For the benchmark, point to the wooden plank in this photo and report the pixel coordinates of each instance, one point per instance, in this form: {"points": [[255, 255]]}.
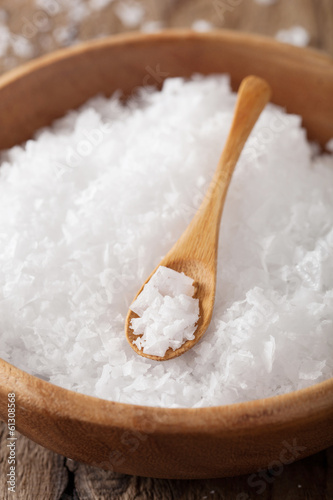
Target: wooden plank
{"points": [[304, 479], [316, 16], [40, 474], [94, 484], [309, 478], [43, 474]]}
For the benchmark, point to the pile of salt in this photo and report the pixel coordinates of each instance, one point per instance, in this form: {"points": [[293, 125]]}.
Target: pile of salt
{"points": [[91, 205], [167, 312]]}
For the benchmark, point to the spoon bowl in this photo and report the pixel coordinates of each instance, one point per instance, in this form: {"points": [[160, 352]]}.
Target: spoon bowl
{"points": [[195, 253], [205, 284]]}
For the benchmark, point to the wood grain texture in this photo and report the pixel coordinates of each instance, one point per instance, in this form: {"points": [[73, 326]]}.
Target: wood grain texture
{"points": [[40, 473], [46, 475]]}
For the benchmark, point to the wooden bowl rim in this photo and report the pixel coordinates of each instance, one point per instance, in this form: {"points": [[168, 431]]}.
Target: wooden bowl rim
{"points": [[286, 50], [41, 395]]}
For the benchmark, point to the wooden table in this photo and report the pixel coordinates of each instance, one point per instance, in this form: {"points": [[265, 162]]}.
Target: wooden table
{"points": [[42, 474]]}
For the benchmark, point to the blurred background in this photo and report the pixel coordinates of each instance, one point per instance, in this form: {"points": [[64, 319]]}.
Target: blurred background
{"points": [[30, 28]]}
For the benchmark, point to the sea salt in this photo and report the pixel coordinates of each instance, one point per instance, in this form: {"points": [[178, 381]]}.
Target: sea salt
{"points": [[266, 2], [167, 312], [99, 4], [151, 26], [329, 145], [83, 227], [19, 44], [295, 35], [202, 25], [130, 12]]}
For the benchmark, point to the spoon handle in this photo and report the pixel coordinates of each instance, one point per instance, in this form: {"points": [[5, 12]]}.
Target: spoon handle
{"points": [[253, 95], [200, 239]]}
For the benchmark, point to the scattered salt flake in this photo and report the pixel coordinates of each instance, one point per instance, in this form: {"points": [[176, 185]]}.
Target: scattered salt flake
{"points": [[64, 35], [105, 375], [76, 355], [99, 4], [201, 25], [296, 35], [51, 7], [329, 145], [151, 26], [311, 370], [268, 353], [21, 46], [130, 12], [266, 2]]}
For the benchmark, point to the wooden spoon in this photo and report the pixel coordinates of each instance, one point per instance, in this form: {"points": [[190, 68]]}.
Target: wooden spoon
{"points": [[195, 253]]}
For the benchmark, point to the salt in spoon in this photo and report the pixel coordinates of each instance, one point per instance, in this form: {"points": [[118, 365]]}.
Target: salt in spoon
{"points": [[195, 252]]}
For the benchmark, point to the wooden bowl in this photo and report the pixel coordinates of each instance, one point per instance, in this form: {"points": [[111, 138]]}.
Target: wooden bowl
{"points": [[147, 441]]}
